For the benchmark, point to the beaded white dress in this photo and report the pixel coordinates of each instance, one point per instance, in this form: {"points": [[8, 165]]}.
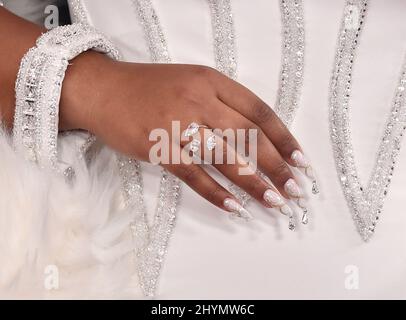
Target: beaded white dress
{"points": [[210, 256]]}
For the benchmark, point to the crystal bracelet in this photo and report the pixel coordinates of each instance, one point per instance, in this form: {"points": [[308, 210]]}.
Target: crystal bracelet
{"points": [[39, 84]]}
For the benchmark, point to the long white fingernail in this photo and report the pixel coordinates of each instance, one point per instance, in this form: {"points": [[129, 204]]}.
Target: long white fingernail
{"points": [[293, 189], [302, 203], [273, 198], [286, 210], [299, 159], [237, 209], [303, 163]]}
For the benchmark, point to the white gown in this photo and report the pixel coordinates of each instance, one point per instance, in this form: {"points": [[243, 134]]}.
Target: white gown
{"points": [[212, 257]]}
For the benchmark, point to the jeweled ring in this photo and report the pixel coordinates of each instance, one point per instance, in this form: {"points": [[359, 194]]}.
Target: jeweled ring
{"points": [[193, 128]]}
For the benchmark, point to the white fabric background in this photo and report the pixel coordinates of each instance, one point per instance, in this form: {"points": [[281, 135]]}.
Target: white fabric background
{"points": [[212, 257]]}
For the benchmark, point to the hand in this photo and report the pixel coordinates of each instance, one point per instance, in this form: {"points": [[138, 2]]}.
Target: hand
{"points": [[122, 103]]}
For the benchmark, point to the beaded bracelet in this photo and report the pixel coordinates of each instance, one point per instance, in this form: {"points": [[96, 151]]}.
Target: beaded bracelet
{"points": [[39, 84]]}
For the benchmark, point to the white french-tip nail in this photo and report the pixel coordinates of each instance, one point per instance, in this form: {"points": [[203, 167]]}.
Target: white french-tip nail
{"points": [[237, 209], [273, 198], [302, 162], [293, 189], [299, 159], [286, 210]]}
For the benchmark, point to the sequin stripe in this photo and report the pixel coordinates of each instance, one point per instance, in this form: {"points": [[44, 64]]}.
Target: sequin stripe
{"points": [[153, 31], [150, 243], [224, 37], [390, 147], [339, 113], [132, 186], [161, 231], [78, 11], [152, 249], [365, 204], [293, 49]]}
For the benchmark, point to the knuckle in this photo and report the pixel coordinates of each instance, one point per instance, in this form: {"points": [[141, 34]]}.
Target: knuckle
{"points": [[190, 174], [204, 72], [280, 171], [287, 141], [262, 112], [253, 131], [257, 187], [213, 195]]}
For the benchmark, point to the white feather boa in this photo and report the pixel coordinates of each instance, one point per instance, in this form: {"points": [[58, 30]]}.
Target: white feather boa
{"points": [[81, 229]]}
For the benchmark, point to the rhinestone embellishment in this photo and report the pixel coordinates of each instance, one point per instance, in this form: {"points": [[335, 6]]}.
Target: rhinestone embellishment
{"points": [[293, 49]]}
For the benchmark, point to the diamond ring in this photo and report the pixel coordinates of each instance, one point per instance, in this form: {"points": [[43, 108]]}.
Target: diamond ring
{"points": [[194, 146]]}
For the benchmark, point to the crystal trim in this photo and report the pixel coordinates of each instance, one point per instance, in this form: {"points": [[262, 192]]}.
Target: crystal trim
{"points": [[365, 203], [151, 241], [293, 50], [38, 88]]}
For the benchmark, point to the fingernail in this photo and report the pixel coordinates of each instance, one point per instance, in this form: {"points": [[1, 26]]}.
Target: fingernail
{"points": [[277, 202], [299, 159], [237, 209], [273, 198], [302, 162], [286, 210], [292, 189], [302, 203]]}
